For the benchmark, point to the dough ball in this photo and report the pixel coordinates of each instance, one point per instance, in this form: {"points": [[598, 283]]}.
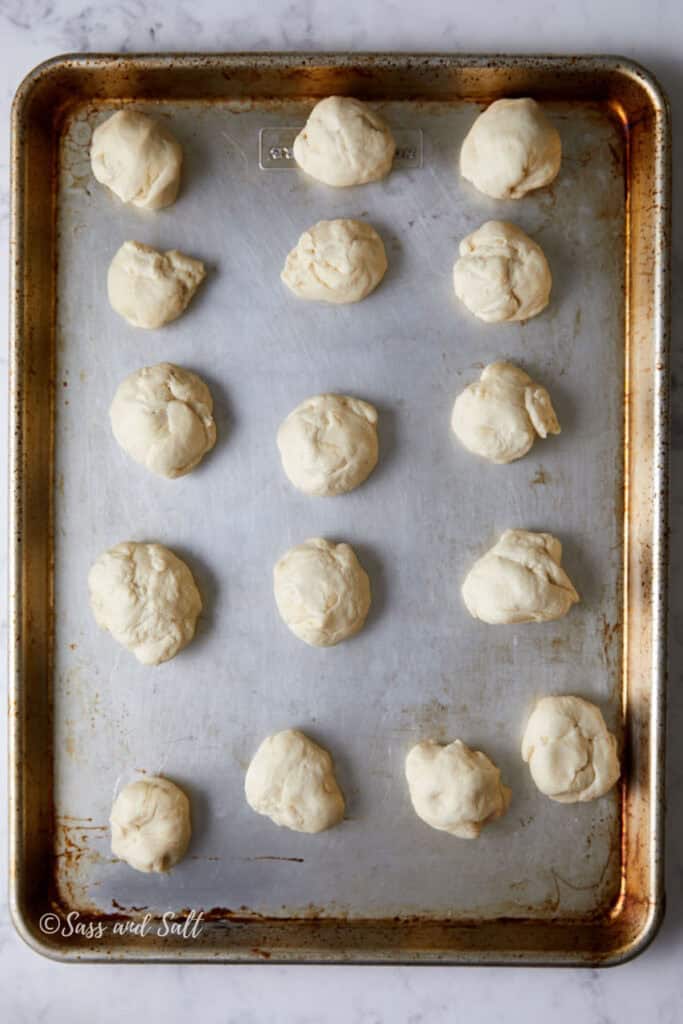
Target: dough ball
{"points": [[150, 824], [291, 780], [519, 580], [328, 444], [502, 414], [149, 288], [502, 275], [337, 261], [511, 149], [344, 142], [322, 592], [571, 754], [455, 789], [146, 598], [162, 417], [138, 159]]}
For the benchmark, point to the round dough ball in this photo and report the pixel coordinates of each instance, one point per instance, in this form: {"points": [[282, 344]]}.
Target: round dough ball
{"points": [[500, 416], [149, 288], [328, 444], [138, 159], [519, 580], [571, 753], [344, 142], [502, 274], [322, 592], [511, 149], [291, 780], [338, 261], [150, 824], [145, 596], [455, 789], [162, 417]]}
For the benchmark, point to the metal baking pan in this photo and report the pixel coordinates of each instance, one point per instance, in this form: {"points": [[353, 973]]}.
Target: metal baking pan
{"points": [[548, 884]]}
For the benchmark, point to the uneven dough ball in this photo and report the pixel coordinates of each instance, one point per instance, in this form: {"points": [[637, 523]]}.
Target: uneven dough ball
{"points": [[511, 149], [328, 444], [571, 753], [519, 580], [500, 416], [150, 824], [138, 159], [337, 261], [344, 142], [322, 592], [502, 274], [455, 789], [291, 780], [145, 596], [162, 417], [149, 288]]}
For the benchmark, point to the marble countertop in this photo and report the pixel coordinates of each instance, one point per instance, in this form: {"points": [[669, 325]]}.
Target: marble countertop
{"points": [[651, 987]]}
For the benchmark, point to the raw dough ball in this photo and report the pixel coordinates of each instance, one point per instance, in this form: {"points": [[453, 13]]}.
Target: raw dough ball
{"points": [[149, 288], [322, 592], [455, 789], [502, 275], [328, 444], [344, 142], [150, 824], [500, 416], [291, 780], [336, 261], [161, 417], [146, 598], [569, 750], [519, 580], [511, 149], [138, 159]]}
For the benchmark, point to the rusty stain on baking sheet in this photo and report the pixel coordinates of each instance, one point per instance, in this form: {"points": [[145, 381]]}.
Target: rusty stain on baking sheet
{"points": [[611, 640], [291, 860], [75, 857], [429, 719], [51, 95], [541, 476], [128, 910]]}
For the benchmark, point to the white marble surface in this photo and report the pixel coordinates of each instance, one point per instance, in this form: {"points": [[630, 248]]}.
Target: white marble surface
{"points": [[651, 988]]}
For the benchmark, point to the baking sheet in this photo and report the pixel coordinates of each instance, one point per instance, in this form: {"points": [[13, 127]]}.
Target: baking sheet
{"points": [[422, 667]]}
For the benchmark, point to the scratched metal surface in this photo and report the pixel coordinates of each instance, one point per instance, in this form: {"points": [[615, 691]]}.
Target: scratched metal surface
{"points": [[422, 667]]}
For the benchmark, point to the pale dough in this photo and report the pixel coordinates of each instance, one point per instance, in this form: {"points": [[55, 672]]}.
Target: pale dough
{"points": [[502, 274], [511, 149], [328, 444], [150, 824], [344, 142], [338, 261], [570, 752], [291, 780], [138, 158], [149, 288], [145, 596], [322, 592], [500, 416], [519, 580], [162, 417], [455, 789]]}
